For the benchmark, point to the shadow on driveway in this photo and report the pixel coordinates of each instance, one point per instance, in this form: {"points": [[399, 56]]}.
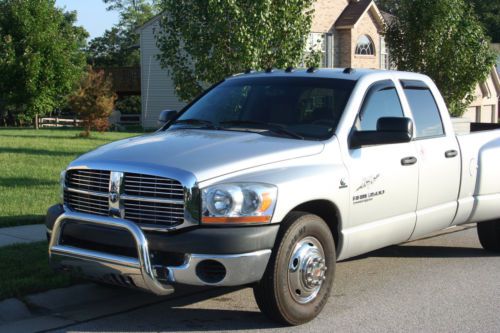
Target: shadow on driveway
{"points": [[177, 314]]}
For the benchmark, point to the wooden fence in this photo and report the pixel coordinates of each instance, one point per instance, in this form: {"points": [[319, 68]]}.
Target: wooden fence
{"points": [[59, 122], [125, 119]]}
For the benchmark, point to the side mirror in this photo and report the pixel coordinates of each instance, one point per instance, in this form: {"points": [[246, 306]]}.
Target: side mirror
{"points": [[166, 116], [390, 130]]}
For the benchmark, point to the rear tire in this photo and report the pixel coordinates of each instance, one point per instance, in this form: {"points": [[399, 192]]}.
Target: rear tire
{"points": [[489, 235], [299, 276]]}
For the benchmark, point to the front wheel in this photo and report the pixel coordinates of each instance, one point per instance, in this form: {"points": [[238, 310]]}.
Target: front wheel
{"points": [[489, 235], [299, 276]]}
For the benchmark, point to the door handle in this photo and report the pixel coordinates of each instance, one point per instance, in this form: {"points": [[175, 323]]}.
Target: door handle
{"points": [[408, 160], [450, 153]]}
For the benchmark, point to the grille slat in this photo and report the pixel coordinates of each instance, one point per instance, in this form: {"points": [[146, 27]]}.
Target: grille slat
{"points": [[143, 206], [144, 219], [88, 202], [88, 177], [155, 188], [157, 192], [167, 210], [152, 213], [82, 203], [85, 183]]}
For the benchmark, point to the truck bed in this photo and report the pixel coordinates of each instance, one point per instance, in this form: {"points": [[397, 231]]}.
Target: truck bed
{"points": [[479, 197]]}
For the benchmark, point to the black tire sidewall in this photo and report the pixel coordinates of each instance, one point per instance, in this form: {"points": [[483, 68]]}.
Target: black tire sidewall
{"points": [[489, 235], [305, 225]]}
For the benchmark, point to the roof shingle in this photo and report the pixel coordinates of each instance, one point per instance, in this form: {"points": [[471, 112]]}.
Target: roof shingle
{"points": [[352, 13]]}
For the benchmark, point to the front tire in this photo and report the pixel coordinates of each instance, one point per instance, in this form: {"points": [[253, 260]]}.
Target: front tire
{"points": [[299, 277], [489, 235]]}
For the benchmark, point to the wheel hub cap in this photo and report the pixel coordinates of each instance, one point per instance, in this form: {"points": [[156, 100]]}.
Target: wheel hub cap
{"points": [[306, 270]]}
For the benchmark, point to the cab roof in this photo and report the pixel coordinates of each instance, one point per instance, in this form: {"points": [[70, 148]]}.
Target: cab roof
{"points": [[353, 74], [330, 73]]}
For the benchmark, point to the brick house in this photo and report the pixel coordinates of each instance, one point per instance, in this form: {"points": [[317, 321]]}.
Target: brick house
{"points": [[347, 33]]}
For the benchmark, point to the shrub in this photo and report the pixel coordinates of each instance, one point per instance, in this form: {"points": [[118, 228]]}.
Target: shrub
{"points": [[94, 101]]}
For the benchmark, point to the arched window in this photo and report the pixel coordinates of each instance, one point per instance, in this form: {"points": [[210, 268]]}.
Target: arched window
{"points": [[365, 46]]}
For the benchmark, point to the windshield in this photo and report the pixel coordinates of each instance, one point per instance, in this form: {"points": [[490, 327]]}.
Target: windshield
{"points": [[300, 108]]}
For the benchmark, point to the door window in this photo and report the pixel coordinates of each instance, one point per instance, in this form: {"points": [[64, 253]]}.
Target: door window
{"points": [[382, 100], [424, 109]]}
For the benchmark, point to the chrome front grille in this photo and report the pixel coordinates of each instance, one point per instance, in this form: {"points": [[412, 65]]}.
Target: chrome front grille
{"points": [[153, 212], [144, 199], [152, 186], [86, 203], [90, 180]]}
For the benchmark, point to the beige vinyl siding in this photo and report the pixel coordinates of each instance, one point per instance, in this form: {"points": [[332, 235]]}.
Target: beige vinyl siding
{"points": [[157, 89]]}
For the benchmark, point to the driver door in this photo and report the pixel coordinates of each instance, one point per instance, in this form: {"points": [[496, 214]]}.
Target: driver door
{"points": [[383, 178]]}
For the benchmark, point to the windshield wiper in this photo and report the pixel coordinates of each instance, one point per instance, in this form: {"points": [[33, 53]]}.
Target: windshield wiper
{"points": [[194, 121], [274, 128]]}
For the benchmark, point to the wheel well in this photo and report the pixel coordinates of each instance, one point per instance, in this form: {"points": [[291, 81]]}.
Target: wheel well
{"points": [[329, 213]]}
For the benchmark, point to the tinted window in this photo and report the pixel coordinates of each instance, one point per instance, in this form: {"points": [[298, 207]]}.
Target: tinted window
{"points": [[424, 109], [381, 101], [310, 107]]}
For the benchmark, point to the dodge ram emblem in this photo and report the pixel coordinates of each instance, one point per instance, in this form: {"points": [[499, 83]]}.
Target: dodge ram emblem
{"points": [[113, 197], [115, 190]]}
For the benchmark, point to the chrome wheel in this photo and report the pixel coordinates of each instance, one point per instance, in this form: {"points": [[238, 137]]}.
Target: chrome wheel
{"points": [[306, 270]]}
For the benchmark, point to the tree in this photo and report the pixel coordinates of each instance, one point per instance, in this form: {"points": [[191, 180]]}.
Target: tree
{"points": [[115, 48], [443, 39], [201, 42], [489, 14], [94, 101], [119, 46], [389, 6], [41, 59]]}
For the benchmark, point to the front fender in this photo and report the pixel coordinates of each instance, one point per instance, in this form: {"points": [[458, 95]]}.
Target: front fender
{"points": [[299, 180]]}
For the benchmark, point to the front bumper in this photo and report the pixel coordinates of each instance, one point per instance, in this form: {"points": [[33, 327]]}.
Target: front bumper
{"points": [[140, 271]]}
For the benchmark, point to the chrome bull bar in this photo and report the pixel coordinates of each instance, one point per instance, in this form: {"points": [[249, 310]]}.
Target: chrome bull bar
{"points": [[138, 271], [240, 269]]}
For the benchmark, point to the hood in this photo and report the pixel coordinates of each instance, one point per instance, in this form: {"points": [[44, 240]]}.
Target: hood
{"points": [[204, 153]]}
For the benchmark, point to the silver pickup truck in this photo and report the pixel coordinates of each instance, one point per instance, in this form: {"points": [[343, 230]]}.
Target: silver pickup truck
{"points": [[268, 179]]}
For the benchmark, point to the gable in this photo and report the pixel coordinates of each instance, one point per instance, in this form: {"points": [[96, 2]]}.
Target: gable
{"points": [[355, 11]]}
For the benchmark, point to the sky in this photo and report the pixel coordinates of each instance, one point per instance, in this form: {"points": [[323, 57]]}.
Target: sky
{"points": [[92, 15]]}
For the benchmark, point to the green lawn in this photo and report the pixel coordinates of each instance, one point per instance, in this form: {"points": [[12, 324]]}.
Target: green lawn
{"points": [[24, 269], [30, 164]]}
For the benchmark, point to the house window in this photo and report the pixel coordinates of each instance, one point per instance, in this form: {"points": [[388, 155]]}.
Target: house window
{"points": [[384, 54], [316, 42], [365, 46]]}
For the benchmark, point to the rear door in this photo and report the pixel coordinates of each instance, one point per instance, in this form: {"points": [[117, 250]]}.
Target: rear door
{"points": [[439, 161]]}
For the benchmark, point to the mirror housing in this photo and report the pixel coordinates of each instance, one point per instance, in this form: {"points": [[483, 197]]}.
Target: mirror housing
{"points": [[166, 116], [390, 130]]}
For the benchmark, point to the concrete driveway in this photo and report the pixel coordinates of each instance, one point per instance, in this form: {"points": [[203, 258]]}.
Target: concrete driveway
{"points": [[444, 283]]}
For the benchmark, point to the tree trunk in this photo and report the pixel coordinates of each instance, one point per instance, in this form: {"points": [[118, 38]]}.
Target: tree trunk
{"points": [[36, 121]]}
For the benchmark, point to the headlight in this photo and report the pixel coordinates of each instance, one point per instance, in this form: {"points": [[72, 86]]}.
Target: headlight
{"points": [[238, 203], [62, 180]]}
